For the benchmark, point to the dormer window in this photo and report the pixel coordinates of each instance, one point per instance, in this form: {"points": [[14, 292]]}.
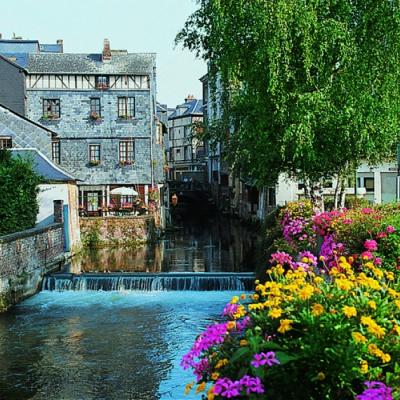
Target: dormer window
{"points": [[102, 82]]}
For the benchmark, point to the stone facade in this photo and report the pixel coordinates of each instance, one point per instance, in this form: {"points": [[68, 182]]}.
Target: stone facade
{"points": [[99, 232], [77, 131], [24, 258]]}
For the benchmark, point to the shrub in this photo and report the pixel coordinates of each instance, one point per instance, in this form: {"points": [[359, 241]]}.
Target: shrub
{"points": [[19, 188]]}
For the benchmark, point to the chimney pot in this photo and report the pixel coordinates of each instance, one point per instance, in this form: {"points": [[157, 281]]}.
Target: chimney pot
{"points": [[106, 50], [61, 43]]}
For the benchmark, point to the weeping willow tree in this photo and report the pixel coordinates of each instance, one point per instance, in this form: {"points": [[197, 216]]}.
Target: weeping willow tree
{"points": [[309, 88]]}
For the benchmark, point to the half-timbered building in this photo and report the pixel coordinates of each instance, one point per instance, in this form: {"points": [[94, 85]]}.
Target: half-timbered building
{"points": [[103, 107]]}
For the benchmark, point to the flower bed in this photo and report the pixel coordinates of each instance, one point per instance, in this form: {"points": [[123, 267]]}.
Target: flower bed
{"points": [[325, 323]]}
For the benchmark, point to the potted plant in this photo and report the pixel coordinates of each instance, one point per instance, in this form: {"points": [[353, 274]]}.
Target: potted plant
{"points": [[94, 116], [122, 163]]}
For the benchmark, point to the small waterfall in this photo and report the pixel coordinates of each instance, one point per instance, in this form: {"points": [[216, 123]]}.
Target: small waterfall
{"points": [[149, 282]]}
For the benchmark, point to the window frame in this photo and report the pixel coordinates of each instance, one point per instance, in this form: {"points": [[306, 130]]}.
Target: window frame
{"points": [[95, 107], [94, 153], [4, 140], [126, 107], [51, 108], [369, 179], [56, 151], [102, 82], [126, 151]]}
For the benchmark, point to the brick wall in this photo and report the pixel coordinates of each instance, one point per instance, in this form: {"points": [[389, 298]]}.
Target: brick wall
{"points": [[24, 258]]}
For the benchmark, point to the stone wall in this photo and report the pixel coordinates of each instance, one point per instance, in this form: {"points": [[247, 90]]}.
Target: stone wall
{"points": [[24, 258], [77, 131], [113, 231]]}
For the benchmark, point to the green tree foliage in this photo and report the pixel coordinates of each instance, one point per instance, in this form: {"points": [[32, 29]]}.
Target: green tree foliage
{"points": [[18, 188], [309, 88]]}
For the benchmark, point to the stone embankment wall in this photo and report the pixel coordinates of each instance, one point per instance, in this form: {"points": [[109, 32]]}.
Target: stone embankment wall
{"points": [[24, 258], [115, 231]]}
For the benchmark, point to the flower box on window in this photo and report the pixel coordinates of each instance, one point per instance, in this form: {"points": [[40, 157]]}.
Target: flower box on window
{"points": [[94, 116], [126, 117], [102, 86], [50, 117], [122, 163], [94, 162]]}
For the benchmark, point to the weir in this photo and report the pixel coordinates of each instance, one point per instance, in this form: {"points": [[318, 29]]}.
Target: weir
{"points": [[149, 282]]}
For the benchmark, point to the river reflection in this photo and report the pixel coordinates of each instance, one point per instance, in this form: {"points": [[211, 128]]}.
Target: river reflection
{"points": [[220, 245]]}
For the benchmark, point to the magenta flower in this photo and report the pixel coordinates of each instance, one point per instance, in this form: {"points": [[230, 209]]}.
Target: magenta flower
{"points": [[390, 229], [367, 255], [280, 257], [370, 245], [230, 310], [264, 359], [375, 391], [252, 385], [367, 210]]}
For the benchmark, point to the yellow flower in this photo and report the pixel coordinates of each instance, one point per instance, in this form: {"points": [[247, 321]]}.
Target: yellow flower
{"points": [[234, 300], [372, 304], [275, 313], [188, 387], [221, 363], [349, 311], [317, 309], [363, 366], [344, 284], [214, 376], [243, 297], [321, 376], [385, 357], [256, 297], [376, 330], [231, 325], [243, 342], [285, 325], [397, 302], [306, 292], [200, 387], [210, 393], [358, 337]]}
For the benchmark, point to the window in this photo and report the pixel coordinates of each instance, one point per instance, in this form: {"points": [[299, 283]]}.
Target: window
{"points": [[51, 108], [102, 82], [5, 142], [94, 153], [126, 107], [126, 152], [369, 184], [55, 151], [95, 109], [92, 201]]}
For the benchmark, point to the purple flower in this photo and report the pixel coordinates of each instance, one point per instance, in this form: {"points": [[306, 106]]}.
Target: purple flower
{"points": [[230, 310], [371, 245], [311, 258], [264, 358], [252, 385], [225, 387], [375, 391]]}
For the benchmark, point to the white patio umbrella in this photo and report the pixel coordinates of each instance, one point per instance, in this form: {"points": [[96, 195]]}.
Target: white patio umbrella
{"points": [[124, 191]]}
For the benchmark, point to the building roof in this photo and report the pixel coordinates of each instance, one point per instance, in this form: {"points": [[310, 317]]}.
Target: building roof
{"points": [[19, 60], [51, 48], [68, 63], [188, 108], [19, 46], [43, 166], [7, 110]]}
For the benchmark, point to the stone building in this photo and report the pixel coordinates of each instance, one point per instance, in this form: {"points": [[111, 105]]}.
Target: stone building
{"points": [[185, 150], [103, 108]]}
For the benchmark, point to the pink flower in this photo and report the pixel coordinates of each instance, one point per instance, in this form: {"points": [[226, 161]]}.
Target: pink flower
{"points": [[367, 210], [390, 229], [381, 235], [370, 245]]}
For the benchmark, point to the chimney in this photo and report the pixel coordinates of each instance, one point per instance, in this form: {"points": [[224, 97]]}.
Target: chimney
{"points": [[1, 36], [106, 50], [61, 43], [189, 97]]}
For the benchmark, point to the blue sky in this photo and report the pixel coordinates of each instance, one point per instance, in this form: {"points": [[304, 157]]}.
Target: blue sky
{"points": [[135, 25]]}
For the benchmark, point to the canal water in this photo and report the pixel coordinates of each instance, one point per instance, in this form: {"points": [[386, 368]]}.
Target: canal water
{"points": [[116, 345]]}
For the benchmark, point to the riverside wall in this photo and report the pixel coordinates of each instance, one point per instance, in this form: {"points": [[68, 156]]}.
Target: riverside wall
{"points": [[24, 259]]}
